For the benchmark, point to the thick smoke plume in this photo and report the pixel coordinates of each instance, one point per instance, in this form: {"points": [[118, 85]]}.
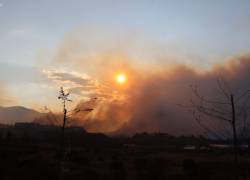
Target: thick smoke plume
{"points": [[150, 100]]}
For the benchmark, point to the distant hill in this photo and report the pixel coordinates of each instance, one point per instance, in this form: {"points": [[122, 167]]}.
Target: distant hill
{"points": [[11, 115]]}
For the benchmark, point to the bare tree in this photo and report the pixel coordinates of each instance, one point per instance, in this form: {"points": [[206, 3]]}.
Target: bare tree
{"points": [[64, 97], [230, 108]]}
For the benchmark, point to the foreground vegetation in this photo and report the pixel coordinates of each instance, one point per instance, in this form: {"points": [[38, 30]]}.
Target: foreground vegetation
{"points": [[96, 156]]}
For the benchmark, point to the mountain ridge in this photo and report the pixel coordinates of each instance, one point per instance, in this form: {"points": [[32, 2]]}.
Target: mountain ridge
{"points": [[14, 114]]}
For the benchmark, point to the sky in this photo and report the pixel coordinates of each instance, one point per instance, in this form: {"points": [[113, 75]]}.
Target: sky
{"points": [[45, 44], [207, 29]]}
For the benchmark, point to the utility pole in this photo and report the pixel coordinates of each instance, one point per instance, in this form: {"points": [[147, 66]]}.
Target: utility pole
{"points": [[235, 139]]}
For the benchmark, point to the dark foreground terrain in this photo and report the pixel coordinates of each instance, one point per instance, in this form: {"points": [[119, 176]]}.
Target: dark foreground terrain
{"points": [[35, 156]]}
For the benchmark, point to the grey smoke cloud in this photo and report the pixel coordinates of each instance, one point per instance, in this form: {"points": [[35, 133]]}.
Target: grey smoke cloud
{"points": [[152, 103], [157, 83]]}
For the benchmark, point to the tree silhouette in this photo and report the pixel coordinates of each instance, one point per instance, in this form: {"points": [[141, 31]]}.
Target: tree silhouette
{"points": [[233, 110], [64, 97]]}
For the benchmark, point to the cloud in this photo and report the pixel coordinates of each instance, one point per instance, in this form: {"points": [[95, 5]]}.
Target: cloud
{"points": [[70, 77], [74, 82], [28, 86], [63, 76]]}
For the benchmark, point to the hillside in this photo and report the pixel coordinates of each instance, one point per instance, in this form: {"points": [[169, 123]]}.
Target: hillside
{"points": [[11, 115]]}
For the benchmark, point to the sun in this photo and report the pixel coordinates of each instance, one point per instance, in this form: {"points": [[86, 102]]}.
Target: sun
{"points": [[121, 78]]}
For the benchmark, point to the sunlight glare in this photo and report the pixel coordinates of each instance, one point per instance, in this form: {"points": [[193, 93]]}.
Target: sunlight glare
{"points": [[121, 78]]}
